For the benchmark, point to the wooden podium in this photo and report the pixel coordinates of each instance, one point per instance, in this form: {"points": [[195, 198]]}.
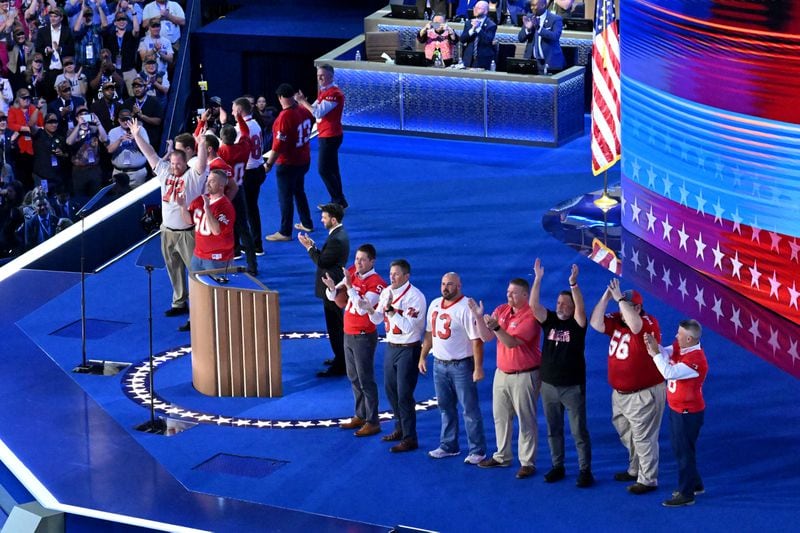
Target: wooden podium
{"points": [[236, 347]]}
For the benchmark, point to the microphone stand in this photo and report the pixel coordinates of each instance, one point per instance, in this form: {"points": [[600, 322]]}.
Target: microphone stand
{"points": [[156, 426], [95, 368]]}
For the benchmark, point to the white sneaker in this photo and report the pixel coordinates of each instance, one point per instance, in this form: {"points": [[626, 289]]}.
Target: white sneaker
{"points": [[473, 459], [439, 453]]}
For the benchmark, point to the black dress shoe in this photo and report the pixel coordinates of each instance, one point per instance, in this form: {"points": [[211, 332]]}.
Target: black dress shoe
{"points": [[639, 488], [177, 311], [555, 474], [624, 476], [185, 327], [331, 373]]}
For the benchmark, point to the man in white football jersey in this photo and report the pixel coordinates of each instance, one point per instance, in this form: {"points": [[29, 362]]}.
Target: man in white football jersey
{"points": [[254, 174], [452, 335]]}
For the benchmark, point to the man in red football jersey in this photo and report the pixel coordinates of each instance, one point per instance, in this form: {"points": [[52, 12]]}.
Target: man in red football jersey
{"points": [[364, 287], [291, 133], [213, 217], [327, 109], [638, 399], [236, 154], [684, 365]]}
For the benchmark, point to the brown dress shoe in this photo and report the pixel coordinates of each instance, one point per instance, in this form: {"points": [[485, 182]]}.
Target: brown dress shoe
{"points": [[525, 471], [393, 436], [355, 422], [406, 445], [368, 430]]}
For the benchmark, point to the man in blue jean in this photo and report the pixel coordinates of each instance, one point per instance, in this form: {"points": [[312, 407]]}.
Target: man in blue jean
{"points": [[452, 335]]}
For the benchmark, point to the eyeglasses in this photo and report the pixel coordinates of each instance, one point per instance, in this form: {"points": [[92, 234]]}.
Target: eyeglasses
{"points": [[51, 122], [122, 20], [37, 61], [139, 85], [24, 97], [3, 119], [155, 24], [66, 89], [109, 88]]}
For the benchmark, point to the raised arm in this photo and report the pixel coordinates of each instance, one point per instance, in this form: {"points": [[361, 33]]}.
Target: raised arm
{"points": [[598, 313], [147, 151], [577, 297], [539, 311]]}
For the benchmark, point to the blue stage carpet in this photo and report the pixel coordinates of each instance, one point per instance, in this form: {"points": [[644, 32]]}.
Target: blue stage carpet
{"points": [[444, 205]]}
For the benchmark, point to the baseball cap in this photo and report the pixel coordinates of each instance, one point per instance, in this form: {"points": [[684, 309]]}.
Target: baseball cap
{"points": [[633, 297], [216, 100]]}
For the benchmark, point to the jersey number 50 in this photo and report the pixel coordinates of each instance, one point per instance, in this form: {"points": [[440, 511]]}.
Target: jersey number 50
{"points": [[618, 347]]}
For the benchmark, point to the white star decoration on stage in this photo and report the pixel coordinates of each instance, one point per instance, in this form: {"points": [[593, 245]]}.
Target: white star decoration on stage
{"points": [[136, 385], [748, 275]]}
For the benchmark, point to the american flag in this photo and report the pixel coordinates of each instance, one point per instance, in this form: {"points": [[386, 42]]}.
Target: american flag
{"points": [[605, 92]]}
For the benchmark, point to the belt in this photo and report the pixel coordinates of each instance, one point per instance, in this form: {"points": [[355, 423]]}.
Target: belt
{"points": [[521, 371], [362, 332], [626, 392], [448, 362], [190, 228], [407, 345]]}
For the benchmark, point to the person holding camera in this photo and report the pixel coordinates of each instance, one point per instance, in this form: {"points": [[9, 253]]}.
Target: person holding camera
{"points": [[84, 141], [439, 40], [50, 156]]}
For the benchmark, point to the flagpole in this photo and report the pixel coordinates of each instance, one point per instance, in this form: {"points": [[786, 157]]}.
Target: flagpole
{"points": [[605, 202]]}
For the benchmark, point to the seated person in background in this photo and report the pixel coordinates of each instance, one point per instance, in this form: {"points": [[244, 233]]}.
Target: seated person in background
{"points": [[567, 8], [65, 207], [478, 35], [437, 35], [542, 32], [125, 154]]}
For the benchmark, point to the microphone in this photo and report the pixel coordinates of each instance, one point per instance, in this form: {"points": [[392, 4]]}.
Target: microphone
{"points": [[223, 279]]}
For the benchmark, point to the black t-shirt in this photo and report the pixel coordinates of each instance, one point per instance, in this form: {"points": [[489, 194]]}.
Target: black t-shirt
{"points": [[563, 345]]}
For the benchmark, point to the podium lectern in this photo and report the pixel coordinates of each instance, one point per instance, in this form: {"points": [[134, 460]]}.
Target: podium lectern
{"points": [[235, 335]]}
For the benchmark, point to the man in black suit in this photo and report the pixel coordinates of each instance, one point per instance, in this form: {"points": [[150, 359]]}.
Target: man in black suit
{"points": [[330, 260], [55, 40], [478, 35]]}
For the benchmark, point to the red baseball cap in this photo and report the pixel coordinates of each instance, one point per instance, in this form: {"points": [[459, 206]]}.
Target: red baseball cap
{"points": [[633, 297]]}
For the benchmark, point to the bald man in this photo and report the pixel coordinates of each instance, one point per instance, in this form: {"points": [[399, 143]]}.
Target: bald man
{"points": [[453, 337]]}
